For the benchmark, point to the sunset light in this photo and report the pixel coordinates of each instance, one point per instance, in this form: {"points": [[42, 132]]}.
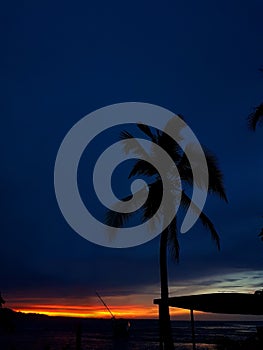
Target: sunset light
{"points": [[131, 175], [132, 311]]}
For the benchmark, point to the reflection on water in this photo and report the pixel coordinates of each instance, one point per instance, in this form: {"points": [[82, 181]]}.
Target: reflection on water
{"points": [[60, 334]]}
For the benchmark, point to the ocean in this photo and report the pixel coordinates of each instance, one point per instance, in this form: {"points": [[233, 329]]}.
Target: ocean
{"points": [[58, 333]]}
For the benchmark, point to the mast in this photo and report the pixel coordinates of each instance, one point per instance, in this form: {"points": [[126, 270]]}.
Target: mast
{"points": [[105, 305]]}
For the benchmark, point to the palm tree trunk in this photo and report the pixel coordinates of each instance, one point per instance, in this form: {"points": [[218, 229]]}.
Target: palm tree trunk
{"points": [[166, 339]]}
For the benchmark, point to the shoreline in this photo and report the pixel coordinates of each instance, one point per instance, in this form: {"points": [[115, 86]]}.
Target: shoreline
{"points": [[42, 332]]}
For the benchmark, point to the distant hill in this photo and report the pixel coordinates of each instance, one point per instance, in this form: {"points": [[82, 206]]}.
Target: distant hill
{"points": [[10, 319]]}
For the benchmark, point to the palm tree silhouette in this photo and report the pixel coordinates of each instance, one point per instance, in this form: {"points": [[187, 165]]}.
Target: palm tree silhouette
{"points": [[168, 236], [256, 117]]}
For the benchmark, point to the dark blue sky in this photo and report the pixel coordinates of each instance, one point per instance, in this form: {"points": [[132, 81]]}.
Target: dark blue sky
{"points": [[62, 60]]}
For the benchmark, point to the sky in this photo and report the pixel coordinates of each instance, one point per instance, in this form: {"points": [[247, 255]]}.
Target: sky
{"points": [[63, 60]]}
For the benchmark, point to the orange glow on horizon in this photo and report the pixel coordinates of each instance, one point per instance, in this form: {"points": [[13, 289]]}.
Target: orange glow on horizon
{"points": [[130, 311]]}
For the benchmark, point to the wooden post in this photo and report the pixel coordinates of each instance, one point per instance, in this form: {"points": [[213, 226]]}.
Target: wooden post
{"points": [[193, 328], [160, 328], [78, 336]]}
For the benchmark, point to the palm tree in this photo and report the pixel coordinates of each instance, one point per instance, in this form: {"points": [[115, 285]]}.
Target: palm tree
{"points": [[168, 236]]}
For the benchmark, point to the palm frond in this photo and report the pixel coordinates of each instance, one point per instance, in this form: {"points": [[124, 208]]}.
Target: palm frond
{"points": [[116, 219], [132, 145], [147, 131], [256, 117], [185, 170], [206, 222], [216, 184], [124, 135], [169, 146], [142, 167], [154, 199], [176, 125]]}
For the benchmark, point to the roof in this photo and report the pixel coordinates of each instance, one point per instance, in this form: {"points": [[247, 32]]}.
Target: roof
{"points": [[224, 303]]}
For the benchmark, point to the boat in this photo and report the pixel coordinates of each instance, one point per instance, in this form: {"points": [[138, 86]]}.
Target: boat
{"points": [[120, 326]]}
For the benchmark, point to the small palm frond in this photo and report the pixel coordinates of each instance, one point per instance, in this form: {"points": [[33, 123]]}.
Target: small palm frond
{"points": [[216, 184], [206, 222], [163, 140], [147, 131], [185, 170], [261, 234], [215, 175], [132, 145], [154, 199], [116, 219], [256, 117], [169, 146], [124, 135], [176, 126], [142, 167], [116, 216]]}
